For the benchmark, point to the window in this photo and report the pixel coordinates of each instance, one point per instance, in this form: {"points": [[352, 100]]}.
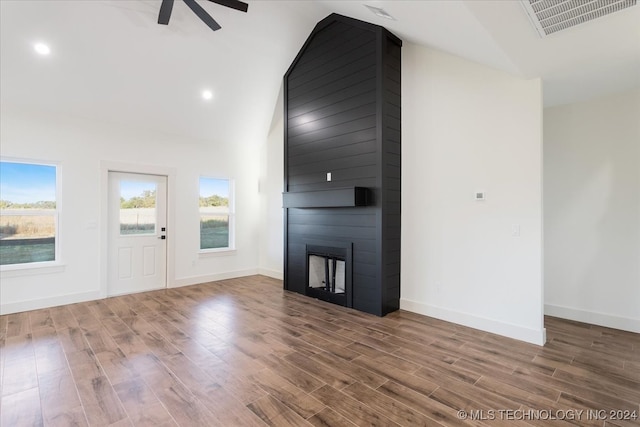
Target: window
{"points": [[28, 213], [216, 214], [137, 207]]}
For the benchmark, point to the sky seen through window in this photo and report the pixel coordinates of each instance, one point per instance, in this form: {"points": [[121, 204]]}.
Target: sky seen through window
{"points": [[27, 183]]}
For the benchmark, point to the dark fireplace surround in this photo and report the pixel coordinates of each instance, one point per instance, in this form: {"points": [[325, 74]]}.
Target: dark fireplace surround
{"points": [[343, 168]]}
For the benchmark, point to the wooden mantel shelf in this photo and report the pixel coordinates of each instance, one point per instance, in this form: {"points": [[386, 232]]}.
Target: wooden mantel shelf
{"points": [[334, 198]]}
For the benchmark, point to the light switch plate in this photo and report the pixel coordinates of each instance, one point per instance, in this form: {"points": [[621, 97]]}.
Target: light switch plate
{"points": [[515, 230], [328, 176]]}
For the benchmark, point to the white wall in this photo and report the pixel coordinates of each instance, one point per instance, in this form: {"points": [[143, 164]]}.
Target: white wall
{"points": [[592, 211], [81, 147], [271, 187], [468, 128]]}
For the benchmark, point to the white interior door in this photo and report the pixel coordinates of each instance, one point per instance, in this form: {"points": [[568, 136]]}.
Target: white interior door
{"points": [[137, 233]]}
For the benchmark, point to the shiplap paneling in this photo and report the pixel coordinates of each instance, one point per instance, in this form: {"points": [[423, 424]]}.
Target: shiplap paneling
{"points": [[342, 115]]}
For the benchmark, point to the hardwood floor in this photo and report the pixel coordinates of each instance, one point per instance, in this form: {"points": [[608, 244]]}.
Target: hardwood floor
{"points": [[244, 353]]}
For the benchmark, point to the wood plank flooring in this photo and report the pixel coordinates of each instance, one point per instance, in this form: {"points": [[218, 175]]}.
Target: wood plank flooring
{"points": [[243, 352]]}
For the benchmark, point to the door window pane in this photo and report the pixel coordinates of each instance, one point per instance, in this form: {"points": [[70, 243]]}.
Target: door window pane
{"points": [[137, 207], [216, 214], [28, 213]]}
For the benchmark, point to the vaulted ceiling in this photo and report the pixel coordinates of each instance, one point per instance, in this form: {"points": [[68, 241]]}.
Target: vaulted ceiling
{"points": [[111, 61]]}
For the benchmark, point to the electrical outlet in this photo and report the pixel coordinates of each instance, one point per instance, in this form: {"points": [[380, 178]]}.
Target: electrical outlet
{"points": [[328, 176]]}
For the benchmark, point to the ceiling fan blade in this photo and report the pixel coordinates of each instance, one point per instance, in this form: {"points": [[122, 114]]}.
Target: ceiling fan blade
{"points": [[233, 4], [203, 15], [165, 12]]}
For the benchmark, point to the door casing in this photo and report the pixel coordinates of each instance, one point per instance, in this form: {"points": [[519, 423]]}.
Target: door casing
{"points": [[114, 166]]}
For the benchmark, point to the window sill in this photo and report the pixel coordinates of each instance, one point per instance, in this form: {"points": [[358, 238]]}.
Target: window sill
{"points": [[7, 271], [206, 253]]}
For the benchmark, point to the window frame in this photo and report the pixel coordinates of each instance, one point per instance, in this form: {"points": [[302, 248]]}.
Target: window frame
{"points": [[56, 214], [231, 214]]}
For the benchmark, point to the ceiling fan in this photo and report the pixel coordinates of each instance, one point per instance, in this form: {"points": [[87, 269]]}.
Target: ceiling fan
{"points": [[167, 6]]}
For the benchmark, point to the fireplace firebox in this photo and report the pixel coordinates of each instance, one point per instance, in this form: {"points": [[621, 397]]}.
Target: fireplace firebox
{"points": [[328, 274]]}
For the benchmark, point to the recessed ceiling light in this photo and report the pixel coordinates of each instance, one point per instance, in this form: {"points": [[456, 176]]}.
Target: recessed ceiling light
{"points": [[42, 48], [207, 95], [380, 12]]}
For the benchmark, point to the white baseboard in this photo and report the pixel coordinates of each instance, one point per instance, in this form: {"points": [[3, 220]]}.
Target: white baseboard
{"points": [[594, 318], [271, 273], [521, 333], [36, 304], [195, 280]]}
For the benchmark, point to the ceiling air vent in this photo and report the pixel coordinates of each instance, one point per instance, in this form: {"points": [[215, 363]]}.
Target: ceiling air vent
{"points": [[551, 16]]}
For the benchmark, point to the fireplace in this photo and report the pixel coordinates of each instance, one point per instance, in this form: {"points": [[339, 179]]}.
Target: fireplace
{"points": [[342, 166], [329, 273]]}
